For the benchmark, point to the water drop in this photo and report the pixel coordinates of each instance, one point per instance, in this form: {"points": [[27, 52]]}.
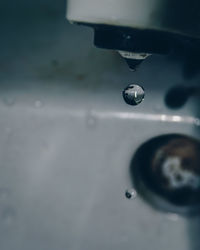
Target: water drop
{"points": [[130, 194], [133, 94]]}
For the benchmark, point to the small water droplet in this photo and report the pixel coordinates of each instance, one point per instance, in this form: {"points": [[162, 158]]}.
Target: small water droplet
{"points": [[9, 101], [133, 94], [38, 104], [133, 64], [130, 193]]}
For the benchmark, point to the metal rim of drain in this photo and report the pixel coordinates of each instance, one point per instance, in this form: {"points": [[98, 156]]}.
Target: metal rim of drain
{"points": [[164, 192]]}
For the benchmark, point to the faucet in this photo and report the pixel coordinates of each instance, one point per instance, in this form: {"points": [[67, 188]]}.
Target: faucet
{"points": [[139, 28]]}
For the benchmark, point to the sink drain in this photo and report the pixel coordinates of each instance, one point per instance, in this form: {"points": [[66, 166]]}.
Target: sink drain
{"points": [[166, 172]]}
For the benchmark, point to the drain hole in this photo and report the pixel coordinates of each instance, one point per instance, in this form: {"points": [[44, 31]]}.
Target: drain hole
{"points": [[166, 170]]}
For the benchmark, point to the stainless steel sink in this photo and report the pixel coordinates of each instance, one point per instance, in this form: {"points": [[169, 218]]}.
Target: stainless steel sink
{"points": [[67, 138]]}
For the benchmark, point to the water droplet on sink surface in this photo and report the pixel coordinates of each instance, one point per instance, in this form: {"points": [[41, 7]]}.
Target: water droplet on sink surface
{"points": [[133, 94], [130, 193]]}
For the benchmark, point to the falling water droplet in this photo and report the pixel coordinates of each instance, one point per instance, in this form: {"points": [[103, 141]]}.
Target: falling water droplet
{"points": [[133, 94], [133, 64], [130, 194]]}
